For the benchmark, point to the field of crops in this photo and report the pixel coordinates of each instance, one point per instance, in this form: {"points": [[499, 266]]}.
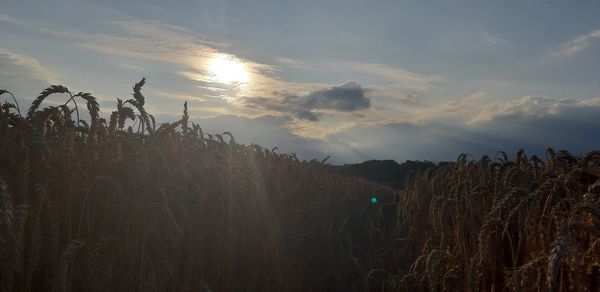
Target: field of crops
{"points": [[123, 204], [501, 225]]}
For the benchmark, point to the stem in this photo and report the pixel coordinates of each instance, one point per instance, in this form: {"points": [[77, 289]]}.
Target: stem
{"points": [[76, 107], [16, 102]]}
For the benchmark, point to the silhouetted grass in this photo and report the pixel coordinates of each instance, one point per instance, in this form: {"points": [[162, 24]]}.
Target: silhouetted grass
{"points": [[126, 205]]}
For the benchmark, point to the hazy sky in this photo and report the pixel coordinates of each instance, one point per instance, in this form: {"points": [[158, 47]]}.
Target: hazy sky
{"points": [[355, 80]]}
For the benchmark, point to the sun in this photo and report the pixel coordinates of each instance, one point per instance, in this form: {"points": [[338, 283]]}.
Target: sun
{"points": [[228, 69]]}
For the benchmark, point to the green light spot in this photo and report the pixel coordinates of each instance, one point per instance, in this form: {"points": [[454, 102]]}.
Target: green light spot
{"points": [[373, 200]]}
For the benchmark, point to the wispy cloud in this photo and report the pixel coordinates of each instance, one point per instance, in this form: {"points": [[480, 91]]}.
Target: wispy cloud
{"points": [[289, 61], [533, 107], [29, 65], [159, 42], [397, 76], [461, 109], [577, 44], [266, 92], [151, 40], [494, 39], [22, 74], [177, 96], [130, 67], [136, 38]]}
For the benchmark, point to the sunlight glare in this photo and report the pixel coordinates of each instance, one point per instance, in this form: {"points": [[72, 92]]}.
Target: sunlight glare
{"points": [[227, 69]]}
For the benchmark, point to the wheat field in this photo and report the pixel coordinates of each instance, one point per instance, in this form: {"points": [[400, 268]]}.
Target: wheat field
{"points": [[124, 204], [502, 225], [101, 206]]}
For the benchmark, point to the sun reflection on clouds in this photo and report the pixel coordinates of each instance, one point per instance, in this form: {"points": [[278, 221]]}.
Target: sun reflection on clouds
{"points": [[227, 69], [226, 82], [226, 75]]}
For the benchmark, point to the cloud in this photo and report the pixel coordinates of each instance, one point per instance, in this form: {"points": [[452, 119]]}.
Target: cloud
{"points": [[266, 92], [494, 39], [394, 75], [148, 40], [461, 108], [536, 122], [573, 126], [12, 21], [534, 107], [399, 114], [577, 44], [279, 107], [186, 53], [136, 38], [130, 67], [177, 96], [21, 74], [532, 122], [289, 61], [348, 97], [160, 42]]}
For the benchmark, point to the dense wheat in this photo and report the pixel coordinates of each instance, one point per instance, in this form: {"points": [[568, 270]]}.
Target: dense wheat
{"points": [[129, 206], [507, 225]]}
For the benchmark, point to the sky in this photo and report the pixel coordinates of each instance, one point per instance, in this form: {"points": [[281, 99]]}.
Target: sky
{"points": [[354, 80]]}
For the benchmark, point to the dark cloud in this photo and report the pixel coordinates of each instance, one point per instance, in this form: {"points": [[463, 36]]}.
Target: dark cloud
{"points": [[307, 115], [279, 106], [537, 123], [348, 97]]}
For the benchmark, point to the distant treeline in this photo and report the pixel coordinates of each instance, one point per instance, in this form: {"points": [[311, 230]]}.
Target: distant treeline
{"points": [[387, 172]]}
